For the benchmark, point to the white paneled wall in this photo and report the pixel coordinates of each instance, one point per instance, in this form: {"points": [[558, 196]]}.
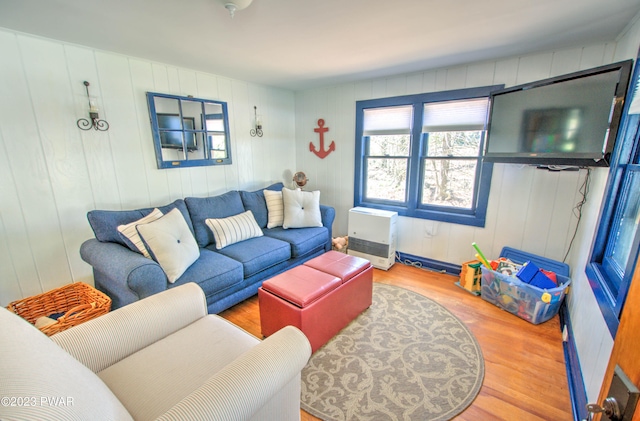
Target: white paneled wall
{"points": [[52, 173], [529, 209]]}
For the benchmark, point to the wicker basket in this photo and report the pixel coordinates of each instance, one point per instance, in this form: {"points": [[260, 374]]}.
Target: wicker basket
{"points": [[78, 301]]}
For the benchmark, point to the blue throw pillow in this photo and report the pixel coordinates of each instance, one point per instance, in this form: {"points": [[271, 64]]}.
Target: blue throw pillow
{"points": [[254, 201], [104, 223]]}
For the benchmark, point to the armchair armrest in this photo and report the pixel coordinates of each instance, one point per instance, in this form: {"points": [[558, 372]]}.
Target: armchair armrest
{"points": [[248, 383], [122, 271], [105, 340]]}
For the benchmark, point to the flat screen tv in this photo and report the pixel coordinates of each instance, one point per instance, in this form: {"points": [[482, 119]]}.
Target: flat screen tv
{"points": [[173, 139], [570, 120]]}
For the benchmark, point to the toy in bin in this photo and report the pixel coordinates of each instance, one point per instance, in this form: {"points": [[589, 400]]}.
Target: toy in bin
{"points": [[470, 276], [533, 275]]}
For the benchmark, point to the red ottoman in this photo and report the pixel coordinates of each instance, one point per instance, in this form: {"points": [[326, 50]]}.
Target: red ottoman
{"points": [[319, 297]]}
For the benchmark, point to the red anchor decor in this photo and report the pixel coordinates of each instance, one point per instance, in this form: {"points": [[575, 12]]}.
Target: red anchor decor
{"points": [[322, 153]]}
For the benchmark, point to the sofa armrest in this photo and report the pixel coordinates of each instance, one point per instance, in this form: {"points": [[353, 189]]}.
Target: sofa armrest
{"points": [[328, 214], [248, 383], [122, 271], [105, 340]]}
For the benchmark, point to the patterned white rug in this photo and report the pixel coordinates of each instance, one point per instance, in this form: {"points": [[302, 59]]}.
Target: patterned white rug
{"points": [[404, 358]]}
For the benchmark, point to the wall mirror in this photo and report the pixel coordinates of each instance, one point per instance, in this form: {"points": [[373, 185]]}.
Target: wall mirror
{"points": [[189, 132]]}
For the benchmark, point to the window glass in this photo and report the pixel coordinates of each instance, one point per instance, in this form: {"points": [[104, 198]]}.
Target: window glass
{"points": [[389, 145], [454, 143], [449, 182], [386, 179], [625, 226]]}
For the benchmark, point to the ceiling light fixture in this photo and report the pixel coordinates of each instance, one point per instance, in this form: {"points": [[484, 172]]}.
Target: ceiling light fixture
{"points": [[233, 5]]}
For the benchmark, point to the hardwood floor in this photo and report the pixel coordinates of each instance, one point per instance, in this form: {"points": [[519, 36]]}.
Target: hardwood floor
{"points": [[525, 376]]}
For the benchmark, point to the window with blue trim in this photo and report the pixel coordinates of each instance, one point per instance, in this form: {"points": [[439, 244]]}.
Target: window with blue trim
{"points": [[617, 242], [421, 155]]}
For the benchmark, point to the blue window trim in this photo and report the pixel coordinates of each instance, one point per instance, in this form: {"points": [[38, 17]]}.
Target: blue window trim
{"points": [[476, 216], [599, 275]]}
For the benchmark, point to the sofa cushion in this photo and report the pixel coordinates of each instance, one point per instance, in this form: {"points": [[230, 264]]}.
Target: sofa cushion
{"points": [[130, 235], [203, 208], [255, 202], [257, 254], [157, 377], [302, 240], [275, 209], [170, 243], [228, 273], [34, 367], [104, 223], [301, 209], [234, 229]]}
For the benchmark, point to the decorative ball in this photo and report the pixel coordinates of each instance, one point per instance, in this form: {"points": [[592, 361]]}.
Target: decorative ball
{"points": [[300, 179]]}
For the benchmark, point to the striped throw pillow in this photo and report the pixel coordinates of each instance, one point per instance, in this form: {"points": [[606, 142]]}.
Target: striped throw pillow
{"points": [[275, 208], [236, 228], [129, 231]]}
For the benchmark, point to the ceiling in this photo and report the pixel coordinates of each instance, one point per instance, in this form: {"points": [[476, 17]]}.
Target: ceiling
{"points": [[301, 44]]}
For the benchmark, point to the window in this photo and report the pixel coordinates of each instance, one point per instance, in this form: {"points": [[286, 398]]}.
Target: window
{"points": [[189, 131], [421, 155], [616, 245]]}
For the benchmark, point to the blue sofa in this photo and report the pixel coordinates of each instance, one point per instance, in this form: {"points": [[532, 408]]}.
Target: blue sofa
{"points": [[227, 276]]}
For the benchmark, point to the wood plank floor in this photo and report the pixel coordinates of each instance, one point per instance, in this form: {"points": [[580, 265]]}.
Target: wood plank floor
{"points": [[525, 376]]}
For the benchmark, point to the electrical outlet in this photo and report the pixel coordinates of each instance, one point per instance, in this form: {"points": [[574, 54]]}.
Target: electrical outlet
{"points": [[430, 229]]}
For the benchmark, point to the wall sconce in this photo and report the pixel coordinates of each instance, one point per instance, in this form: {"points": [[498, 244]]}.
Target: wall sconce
{"points": [[94, 122], [257, 130]]}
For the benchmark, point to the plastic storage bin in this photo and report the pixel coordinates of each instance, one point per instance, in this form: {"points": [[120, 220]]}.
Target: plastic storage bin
{"points": [[526, 301]]}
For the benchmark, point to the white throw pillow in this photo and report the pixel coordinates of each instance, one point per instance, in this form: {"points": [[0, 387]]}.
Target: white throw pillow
{"points": [[233, 229], [301, 209], [275, 208], [130, 232], [170, 243]]}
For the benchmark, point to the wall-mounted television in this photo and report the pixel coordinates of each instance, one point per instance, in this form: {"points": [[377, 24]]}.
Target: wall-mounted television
{"points": [[171, 132], [569, 120]]}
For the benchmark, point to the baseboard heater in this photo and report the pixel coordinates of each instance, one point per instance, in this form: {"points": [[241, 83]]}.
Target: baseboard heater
{"points": [[372, 235]]}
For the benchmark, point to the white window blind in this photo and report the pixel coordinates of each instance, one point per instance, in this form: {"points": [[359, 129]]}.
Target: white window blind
{"points": [[455, 116], [388, 120]]}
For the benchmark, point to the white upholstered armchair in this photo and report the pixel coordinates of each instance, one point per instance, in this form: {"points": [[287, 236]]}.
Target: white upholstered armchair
{"points": [[161, 358]]}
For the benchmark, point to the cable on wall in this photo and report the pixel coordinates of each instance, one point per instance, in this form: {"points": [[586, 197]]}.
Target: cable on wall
{"points": [[577, 210]]}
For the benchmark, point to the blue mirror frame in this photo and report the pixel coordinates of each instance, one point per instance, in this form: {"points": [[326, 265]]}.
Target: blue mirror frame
{"points": [[188, 131]]}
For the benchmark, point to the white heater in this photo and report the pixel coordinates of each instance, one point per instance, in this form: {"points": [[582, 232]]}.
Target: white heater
{"points": [[372, 235]]}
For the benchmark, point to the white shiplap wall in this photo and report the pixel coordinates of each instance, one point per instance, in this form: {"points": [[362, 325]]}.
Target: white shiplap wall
{"points": [[52, 173], [529, 209]]}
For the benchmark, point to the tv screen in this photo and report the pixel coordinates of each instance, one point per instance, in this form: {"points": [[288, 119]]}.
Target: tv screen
{"points": [[173, 139], [568, 120]]}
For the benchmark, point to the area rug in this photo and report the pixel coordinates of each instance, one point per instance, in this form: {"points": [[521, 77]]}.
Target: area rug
{"points": [[404, 358]]}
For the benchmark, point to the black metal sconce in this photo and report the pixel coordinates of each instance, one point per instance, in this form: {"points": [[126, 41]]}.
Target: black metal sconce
{"points": [[257, 130], [94, 122]]}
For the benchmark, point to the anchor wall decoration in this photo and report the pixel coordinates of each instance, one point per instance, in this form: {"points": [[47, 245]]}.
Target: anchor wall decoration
{"points": [[322, 153]]}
